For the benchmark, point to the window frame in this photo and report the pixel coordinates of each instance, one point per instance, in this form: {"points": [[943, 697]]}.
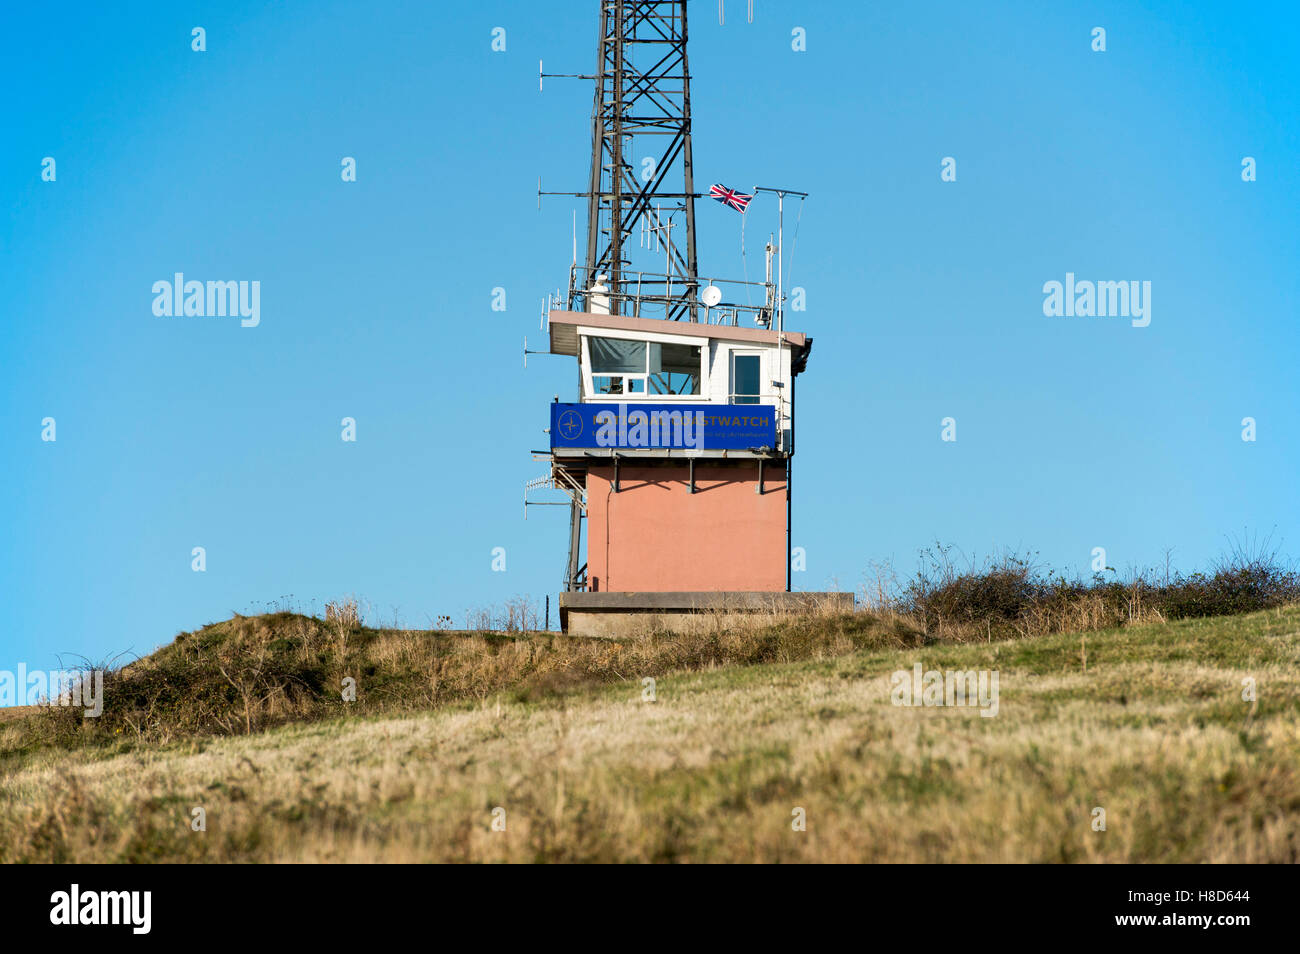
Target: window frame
{"points": [[732, 394], [585, 333]]}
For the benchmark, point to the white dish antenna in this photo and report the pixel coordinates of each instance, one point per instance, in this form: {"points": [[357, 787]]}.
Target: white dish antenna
{"points": [[711, 295]]}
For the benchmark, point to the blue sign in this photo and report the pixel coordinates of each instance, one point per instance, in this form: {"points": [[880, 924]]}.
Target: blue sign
{"points": [[656, 426]]}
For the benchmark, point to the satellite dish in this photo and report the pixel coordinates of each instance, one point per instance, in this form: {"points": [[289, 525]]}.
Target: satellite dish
{"points": [[711, 296]]}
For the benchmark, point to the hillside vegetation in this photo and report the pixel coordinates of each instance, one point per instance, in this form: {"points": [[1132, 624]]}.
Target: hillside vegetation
{"points": [[250, 673], [296, 738], [558, 740]]}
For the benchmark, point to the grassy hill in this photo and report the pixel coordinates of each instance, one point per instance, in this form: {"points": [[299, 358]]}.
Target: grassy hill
{"points": [[244, 720]]}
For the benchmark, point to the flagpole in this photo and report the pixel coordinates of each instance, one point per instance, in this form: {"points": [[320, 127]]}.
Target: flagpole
{"points": [[780, 290], [780, 248]]}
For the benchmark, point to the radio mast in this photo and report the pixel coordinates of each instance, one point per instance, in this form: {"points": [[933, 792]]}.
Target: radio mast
{"points": [[640, 159], [734, 384]]}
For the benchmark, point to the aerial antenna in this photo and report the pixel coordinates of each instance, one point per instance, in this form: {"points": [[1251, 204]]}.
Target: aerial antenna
{"points": [[528, 351], [547, 302], [541, 75], [780, 285], [641, 108], [780, 248], [722, 20], [769, 253]]}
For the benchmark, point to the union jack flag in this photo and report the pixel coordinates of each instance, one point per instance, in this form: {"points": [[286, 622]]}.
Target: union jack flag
{"points": [[737, 200]]}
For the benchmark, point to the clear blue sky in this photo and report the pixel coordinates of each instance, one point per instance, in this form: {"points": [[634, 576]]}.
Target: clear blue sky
{"points": [[924, 297]]}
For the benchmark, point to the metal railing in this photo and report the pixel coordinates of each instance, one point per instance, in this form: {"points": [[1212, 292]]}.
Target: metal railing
{"points": [[653, 295]]}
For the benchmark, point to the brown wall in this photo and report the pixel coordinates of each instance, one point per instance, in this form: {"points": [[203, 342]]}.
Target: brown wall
{"points": [[654, 535]]}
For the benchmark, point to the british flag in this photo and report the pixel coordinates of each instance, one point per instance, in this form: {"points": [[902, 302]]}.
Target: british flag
{"points": [[737, 200]]}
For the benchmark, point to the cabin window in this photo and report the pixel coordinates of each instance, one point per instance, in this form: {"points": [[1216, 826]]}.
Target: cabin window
{"points": [[617, 355], [624, 366], [674, 368], [745, 378]]}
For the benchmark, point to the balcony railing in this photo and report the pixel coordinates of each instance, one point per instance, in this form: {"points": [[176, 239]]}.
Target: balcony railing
{"points": [[650, 295]]}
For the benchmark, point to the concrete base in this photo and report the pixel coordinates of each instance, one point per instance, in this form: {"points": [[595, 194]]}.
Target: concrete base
{"points": [[640, 614]]}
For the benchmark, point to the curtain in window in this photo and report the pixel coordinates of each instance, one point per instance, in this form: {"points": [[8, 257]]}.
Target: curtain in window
{"points": [[617, 356]]}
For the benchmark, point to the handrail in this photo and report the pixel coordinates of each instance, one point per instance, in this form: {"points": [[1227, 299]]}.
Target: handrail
{"points": [[630, 296]]}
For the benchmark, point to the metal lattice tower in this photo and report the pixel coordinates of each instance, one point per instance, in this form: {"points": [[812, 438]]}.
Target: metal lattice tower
{"points": [[642, 109]]}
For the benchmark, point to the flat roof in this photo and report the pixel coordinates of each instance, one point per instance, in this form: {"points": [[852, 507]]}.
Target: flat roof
{"points": [[564, 330]]}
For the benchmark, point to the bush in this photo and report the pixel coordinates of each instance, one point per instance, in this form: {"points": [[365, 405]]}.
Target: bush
{"points": [[250, 673], [1010, 595]]}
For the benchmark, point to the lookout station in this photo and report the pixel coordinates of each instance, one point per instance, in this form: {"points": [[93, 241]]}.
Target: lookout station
{"points": [[677, 452]]}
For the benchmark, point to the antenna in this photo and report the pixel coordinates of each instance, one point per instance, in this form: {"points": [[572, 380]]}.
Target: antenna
{"points": [[528, 351], [780, 286], [642, 110], [722, 19], [769, 253], [541, 75], [780, 243]]}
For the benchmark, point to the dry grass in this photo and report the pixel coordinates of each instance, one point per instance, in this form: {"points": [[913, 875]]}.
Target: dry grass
{"points": [[250, 673], [1155, 732], [1012, 595]]}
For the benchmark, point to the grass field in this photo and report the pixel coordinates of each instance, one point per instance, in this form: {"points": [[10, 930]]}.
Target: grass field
{"points": [[1155, 732]]}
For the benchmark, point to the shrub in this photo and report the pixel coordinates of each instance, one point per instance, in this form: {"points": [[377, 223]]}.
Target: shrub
{"points": [[1010, 595]]}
